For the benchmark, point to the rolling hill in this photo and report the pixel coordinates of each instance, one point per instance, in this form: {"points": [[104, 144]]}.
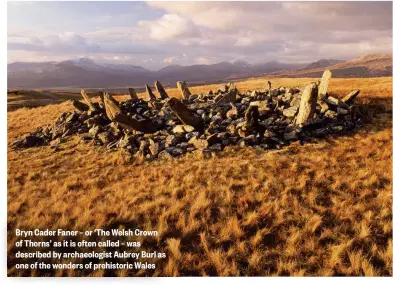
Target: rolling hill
{"points": [[373, 65], [85, 73]]}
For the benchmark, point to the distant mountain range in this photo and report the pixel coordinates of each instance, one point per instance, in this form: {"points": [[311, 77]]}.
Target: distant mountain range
{"points": [[321, 63], [372, 65], [85, 73]]}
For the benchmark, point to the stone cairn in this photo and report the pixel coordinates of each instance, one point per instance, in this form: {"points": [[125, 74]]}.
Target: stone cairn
{"points": [[165, 127]]}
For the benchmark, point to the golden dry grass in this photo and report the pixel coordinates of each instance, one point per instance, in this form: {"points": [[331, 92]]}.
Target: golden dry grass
{"points": [[37, 98], [323, 209]]}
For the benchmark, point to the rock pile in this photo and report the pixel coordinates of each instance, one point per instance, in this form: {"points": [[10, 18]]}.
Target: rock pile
{"points": [[162, 127]]}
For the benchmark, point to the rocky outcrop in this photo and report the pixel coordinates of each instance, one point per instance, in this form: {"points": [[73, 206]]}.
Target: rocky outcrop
{"points": [[168, 127]]}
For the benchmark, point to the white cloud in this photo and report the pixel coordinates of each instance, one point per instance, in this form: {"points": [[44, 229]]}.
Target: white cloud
{"points": [[169, 26], [207, 32], [203, 60], [168, 59]]}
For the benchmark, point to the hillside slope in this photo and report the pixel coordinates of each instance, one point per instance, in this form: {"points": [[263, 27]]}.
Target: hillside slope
{"points": [[374, 65]]}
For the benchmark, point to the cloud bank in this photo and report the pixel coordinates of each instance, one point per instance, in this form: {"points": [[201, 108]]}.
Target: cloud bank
{"points": [[209, 32]]}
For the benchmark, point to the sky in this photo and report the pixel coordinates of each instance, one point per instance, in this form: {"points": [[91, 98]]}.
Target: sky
{"points": [[157, 34]]}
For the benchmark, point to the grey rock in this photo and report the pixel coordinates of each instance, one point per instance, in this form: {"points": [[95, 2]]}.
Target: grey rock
{"points": [[191, 134], [341, 111], [216, 147], [291, 136], [172, 140], [95, 130], [105, 137], [164, 155], [331, 114], [290, 112]]}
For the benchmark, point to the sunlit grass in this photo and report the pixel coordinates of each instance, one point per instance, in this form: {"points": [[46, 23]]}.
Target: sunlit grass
{"points": [[319, 209]]}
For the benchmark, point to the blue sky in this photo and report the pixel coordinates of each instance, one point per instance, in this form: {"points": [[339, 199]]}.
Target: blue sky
{"points": [[156, 34]]}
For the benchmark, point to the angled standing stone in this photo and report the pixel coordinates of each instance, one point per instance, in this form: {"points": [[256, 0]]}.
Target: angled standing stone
{"points": [[184, 114], [88, 101], [232, 113], [114, 114], [82, 107], [323, 86], [150, 93], [111, 108], [183, 89], [351, 97], [160, 89], [109, 97], [229, 97], [251, 117], [307, 104], [132, 94]]}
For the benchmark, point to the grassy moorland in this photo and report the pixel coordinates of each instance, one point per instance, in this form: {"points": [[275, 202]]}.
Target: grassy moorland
{"points": [[322, 209]]}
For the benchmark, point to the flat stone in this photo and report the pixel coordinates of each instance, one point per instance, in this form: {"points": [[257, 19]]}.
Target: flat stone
{"points": [[199, 143], [191, 134], [216, 147], [154, 148], [341, 111], [350, 98], [290, 136], [177, 152], [164, 155], [104, 137], [180, 129], [290, 112], [95, 130], [331, 114]]}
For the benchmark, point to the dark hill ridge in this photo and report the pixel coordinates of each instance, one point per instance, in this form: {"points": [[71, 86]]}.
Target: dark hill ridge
{"points": [[372, 65], [321, 63], [85, 73]]}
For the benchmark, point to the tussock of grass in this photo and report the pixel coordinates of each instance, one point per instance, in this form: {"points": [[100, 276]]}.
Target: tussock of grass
{"points": [[319, 209]]}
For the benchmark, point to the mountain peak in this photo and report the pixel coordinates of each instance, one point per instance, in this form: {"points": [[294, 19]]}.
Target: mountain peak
{"points": [[83, 60], [321, 63], [369, 57], [241, 62]]}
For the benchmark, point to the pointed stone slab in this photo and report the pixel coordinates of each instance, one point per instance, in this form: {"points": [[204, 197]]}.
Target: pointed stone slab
{"points": [[110, 97], [114, 114], [323, 86], [185, 92], [82, 107], [350, 98], [185, 115], [307, 104], [150, 93], [88, 101], [160, 89], [132, 94], [229, 97], [111, 109], [232, 113], [251, 118]]}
